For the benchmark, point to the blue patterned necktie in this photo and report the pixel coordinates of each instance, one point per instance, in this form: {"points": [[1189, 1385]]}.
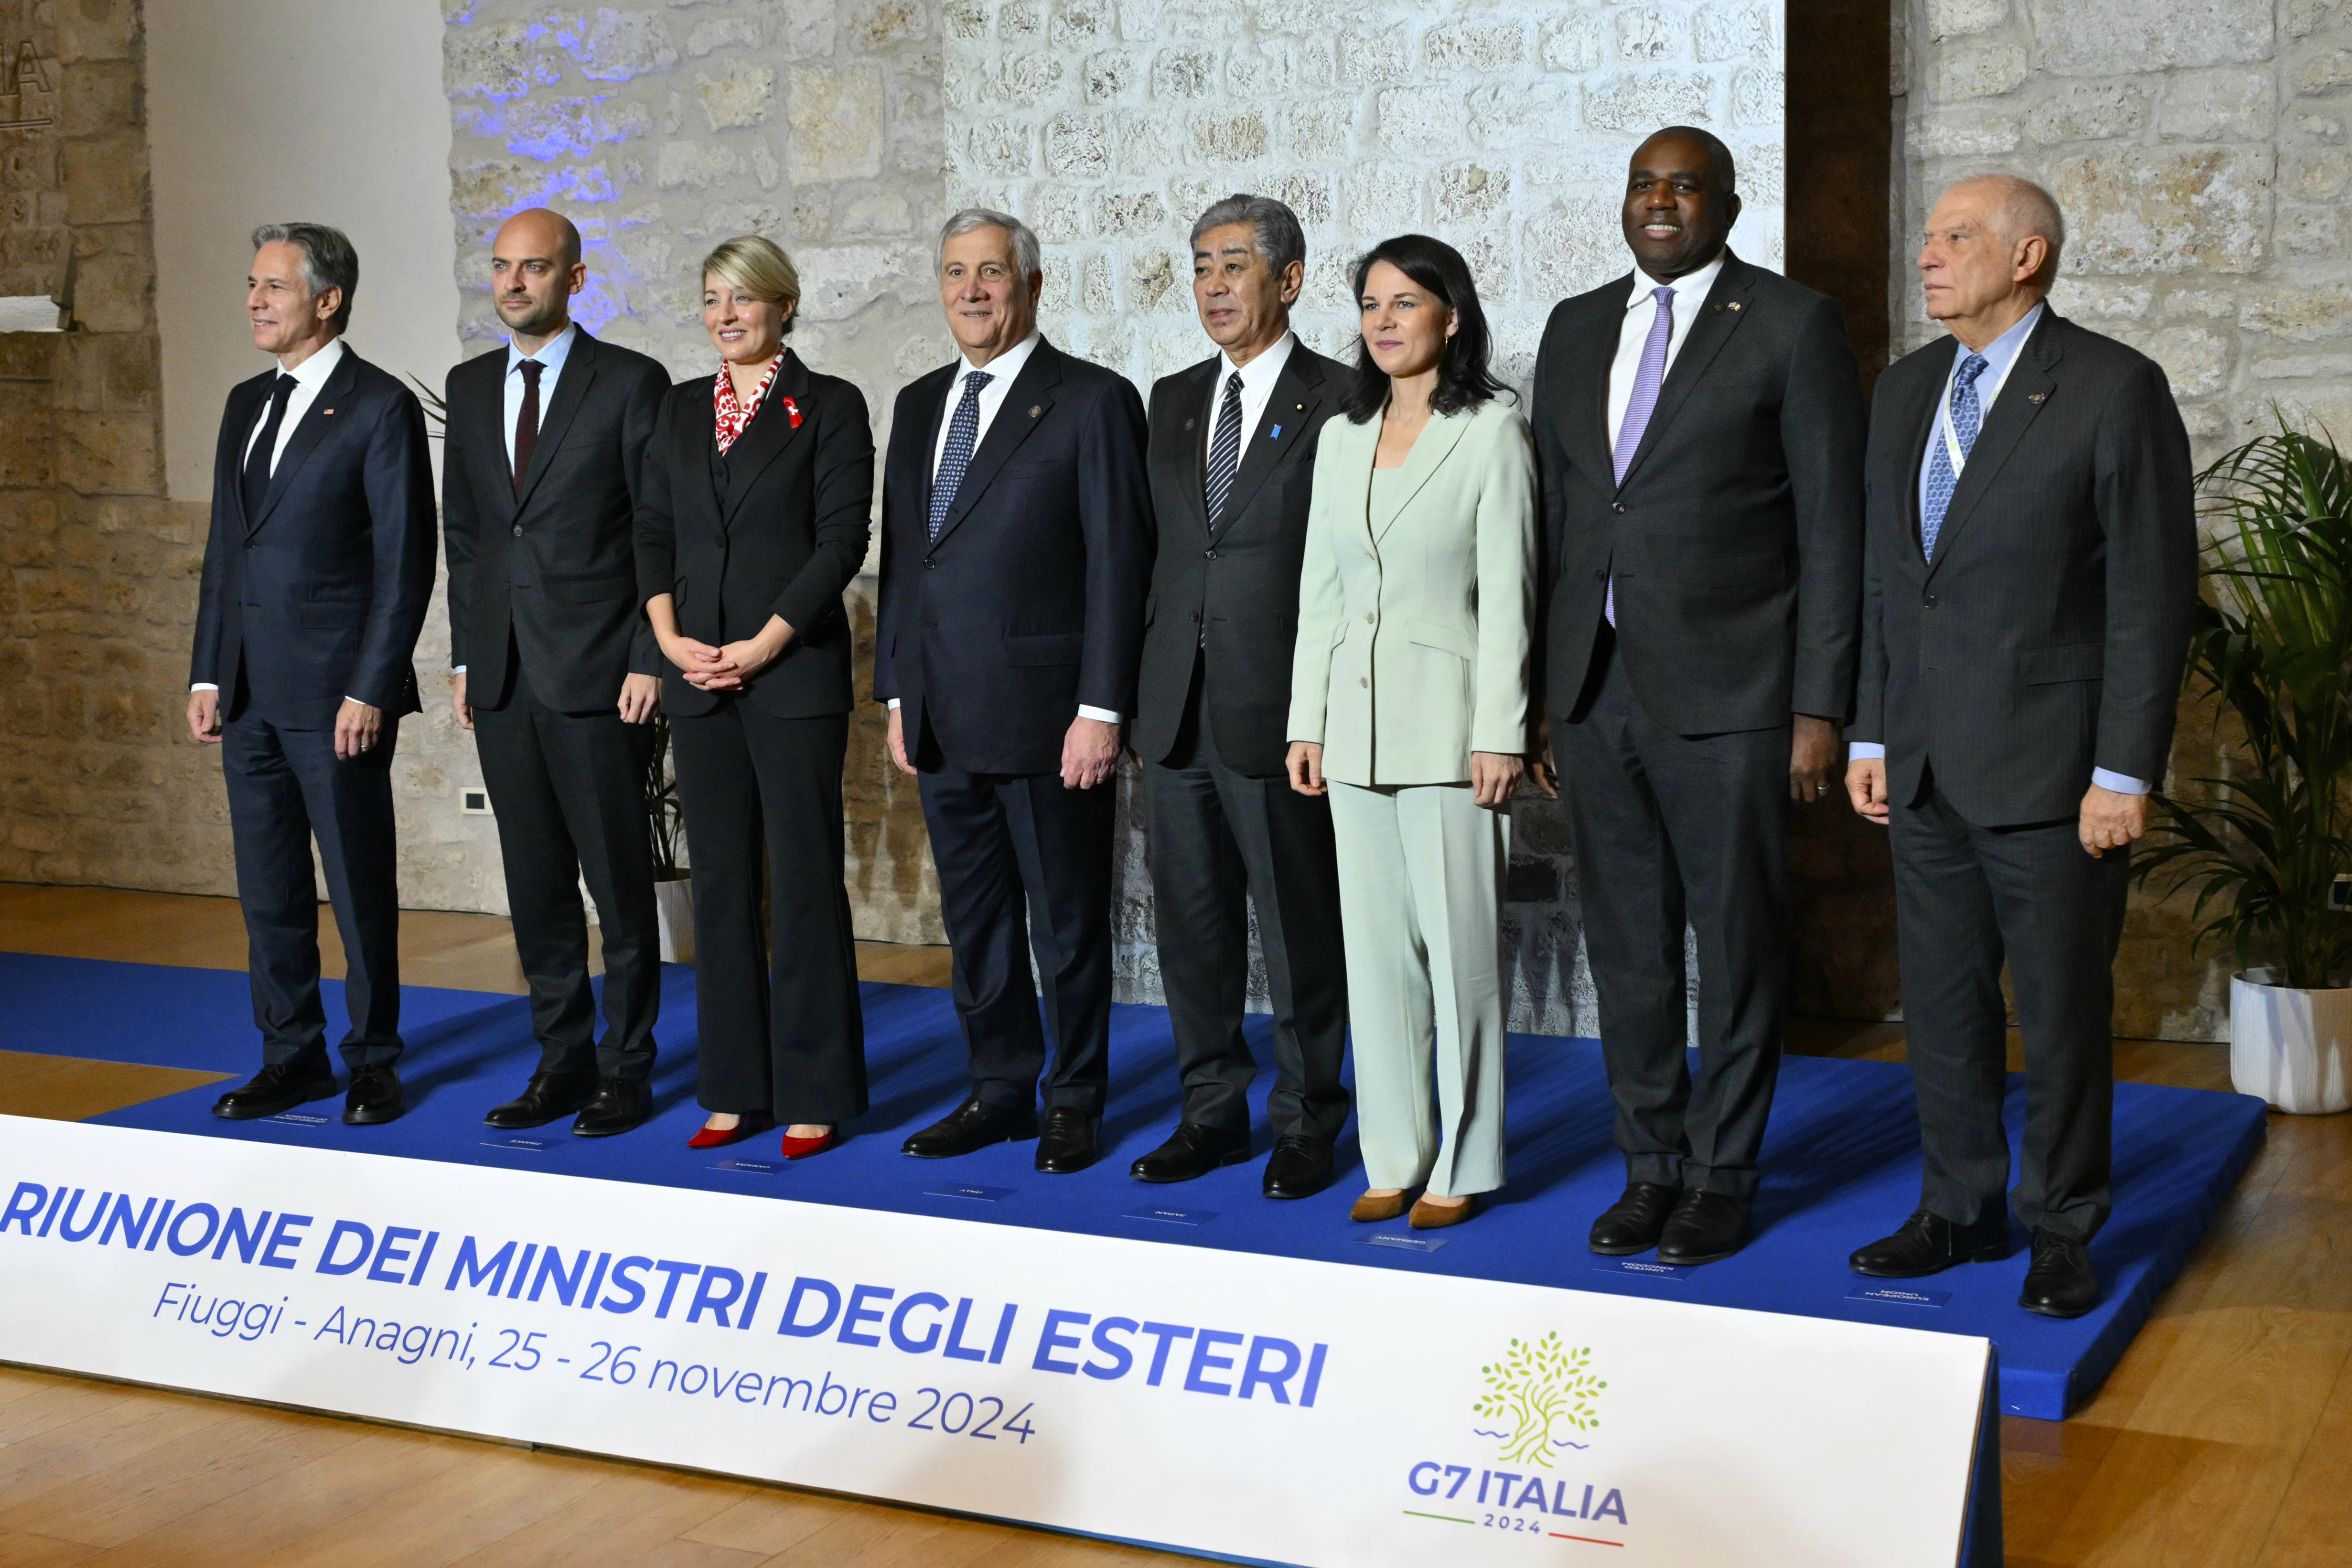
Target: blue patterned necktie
{"points": [[963, 432], [1967, 417], [1225, 451], [1647, 379]]}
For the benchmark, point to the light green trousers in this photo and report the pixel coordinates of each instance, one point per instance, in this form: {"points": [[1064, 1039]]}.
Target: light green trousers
{"points": [[1420, 891]]}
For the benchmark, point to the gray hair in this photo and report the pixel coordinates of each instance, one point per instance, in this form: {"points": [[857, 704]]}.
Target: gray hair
{"points": [[1273, 227], [1024, 242], [329, 261], [2025, 209]]}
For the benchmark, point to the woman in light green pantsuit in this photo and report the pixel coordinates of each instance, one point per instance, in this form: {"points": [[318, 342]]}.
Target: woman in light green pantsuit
{"points": [[1409, 705]]}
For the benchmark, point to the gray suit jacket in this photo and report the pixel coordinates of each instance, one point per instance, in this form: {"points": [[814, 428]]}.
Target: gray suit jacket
{"points": [[2048, 635]]}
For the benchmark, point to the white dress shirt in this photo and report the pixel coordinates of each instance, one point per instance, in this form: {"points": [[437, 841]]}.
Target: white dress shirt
{"points": [[308, 377], [552, 355], [1258, 377], [1001, 372], [1641, 309], [2000, 358]]}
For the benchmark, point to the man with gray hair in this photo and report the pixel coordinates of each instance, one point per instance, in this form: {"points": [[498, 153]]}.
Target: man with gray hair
{"points": [[316, 579], [2029, 584], [1016, 544], [1232, 463]]}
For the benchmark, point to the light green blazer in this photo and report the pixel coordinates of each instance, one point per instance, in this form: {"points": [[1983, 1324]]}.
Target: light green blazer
{"points": [[1415, 621]]}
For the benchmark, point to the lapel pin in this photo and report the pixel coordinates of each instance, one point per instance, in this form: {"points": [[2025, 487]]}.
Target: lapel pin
{"points": [[1035, 409], [1189, 423], [1277, 434], [331, 411], [1733, 306], [2035, 397], [792, 414]]}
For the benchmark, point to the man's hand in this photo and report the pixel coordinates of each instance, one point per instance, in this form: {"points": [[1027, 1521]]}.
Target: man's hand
{"points": [[1089, 753], [1865, 785], [1304, 765], [640, 699], [1493, 776], [2111, 821], [203, 716], [1812, 758], [356, 725], [898, 745], [457, 703], [1540, 766]]}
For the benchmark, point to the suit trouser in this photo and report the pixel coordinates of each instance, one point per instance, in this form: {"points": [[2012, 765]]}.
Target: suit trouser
{"points": [[1670, 831], [284, 786], [1017, 851], [1965, 897], [1220, 840], [780, 1027], [1421, 894], [570, 793]]}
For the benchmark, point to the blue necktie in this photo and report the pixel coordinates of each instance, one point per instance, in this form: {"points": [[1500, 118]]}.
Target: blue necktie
{"points": [[1967, 417], [1648, 377], [963, 431], [1225, 451]]}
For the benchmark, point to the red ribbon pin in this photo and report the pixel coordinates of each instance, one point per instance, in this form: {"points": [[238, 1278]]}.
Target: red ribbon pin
{"points": [[792, 413]]}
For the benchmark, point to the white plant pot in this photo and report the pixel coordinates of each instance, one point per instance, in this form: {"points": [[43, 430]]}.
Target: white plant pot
{"points": [[2289, 1046], [674, 898]]}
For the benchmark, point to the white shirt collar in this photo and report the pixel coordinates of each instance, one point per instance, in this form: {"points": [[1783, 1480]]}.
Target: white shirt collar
{"points": [[1263, 370], [312, 373], [1004, 367], [1691, 285], [552, 353]]}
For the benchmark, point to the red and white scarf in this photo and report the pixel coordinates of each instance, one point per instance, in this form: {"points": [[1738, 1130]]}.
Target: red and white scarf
{"points": [[733, 413]]}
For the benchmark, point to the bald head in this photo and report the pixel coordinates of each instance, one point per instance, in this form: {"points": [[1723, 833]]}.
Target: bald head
{"points": [[542, 232], [535, 269], [2019, 210]]}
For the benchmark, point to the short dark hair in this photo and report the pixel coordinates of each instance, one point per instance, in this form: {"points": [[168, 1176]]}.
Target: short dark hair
{"points": [[1273, 227], [1463, 377], [329, 261], [1717, 154]]}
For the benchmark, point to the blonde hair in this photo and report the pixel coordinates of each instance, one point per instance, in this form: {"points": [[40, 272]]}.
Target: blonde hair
{"points": [[756, 268]]}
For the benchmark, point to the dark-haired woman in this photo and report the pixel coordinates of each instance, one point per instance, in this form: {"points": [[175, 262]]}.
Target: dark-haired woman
{"points": [[1409, 704], [759, 485]]}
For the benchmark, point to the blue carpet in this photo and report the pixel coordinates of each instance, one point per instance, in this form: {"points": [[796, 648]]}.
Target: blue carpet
{"points": [[1842, 1162]]}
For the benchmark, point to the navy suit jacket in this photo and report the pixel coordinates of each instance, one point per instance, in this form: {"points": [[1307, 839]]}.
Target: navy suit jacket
{"points": [[1030, 604], [323, 593]]}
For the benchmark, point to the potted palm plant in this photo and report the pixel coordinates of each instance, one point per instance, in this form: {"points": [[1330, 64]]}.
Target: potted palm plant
{"points": [[665, 826], [2265, 845]]}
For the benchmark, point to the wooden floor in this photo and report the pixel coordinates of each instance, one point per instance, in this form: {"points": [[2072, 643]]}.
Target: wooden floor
{"points": [[2224, 1438]]}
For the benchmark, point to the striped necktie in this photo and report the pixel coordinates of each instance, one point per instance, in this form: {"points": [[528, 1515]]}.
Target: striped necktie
{"points": [[1225, 451]]}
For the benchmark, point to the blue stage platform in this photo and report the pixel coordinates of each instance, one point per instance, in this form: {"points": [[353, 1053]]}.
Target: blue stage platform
{"points": [[1842, 1163]]}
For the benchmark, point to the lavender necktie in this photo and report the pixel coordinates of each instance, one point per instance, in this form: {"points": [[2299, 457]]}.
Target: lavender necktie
{"points": [[1643, 403]]}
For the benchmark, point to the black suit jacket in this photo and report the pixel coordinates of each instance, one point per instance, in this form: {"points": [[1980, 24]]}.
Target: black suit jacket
{"points": [[552, 575], [1030, 604], [1736, 540], [1240, 584], [778, 526], [2048, 635], [321, 595]]}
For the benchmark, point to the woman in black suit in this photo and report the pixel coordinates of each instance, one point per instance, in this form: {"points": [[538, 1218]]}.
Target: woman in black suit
{"points": [[757, 496]]}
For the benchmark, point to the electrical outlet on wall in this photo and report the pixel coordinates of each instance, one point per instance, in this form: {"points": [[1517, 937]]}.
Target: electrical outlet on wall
{"points": [[475, 802]]}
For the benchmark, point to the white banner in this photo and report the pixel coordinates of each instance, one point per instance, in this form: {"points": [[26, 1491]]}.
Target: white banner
{"points": [[1264, 1408]]}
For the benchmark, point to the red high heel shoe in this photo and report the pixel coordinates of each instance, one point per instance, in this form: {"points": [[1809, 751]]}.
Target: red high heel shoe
{"points": [[718, 1138], [801, 1148]]}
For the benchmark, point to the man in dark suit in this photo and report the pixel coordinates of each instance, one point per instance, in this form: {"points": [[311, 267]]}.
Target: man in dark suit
{"points": [[1016, 547], [1233, 469], [316, 578], [556, 670], [1699, 427], [2028, 591]]}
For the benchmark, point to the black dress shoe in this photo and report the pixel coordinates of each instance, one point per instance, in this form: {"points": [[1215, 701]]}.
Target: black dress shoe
{"points": [[2059, 1282], [1929, 1244], [374, 1096], [1300, 1167], [275, 1090], [550, 1095], [620, 1103], [1070, 1143], [1190, 1151], [1706, 1227], [1633, 1223], [974, 1124]]}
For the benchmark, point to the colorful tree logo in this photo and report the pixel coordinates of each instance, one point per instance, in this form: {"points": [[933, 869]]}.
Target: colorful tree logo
{"points": [[1537, 1386]]}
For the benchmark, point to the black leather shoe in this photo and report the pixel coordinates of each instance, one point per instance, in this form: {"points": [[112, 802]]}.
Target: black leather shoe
{"points": [[550, 1095], [1929, 1244], [2059, 1282], [974, 1124], [374, 1096], [1300, 1167], [1192, 1151], [1070, 1143], [1706, 1227], [620, 1103], [1633, 1223], [275, 1090]]}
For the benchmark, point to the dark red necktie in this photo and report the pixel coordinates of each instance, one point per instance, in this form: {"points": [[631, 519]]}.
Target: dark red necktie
{"points": [[525, 434]]}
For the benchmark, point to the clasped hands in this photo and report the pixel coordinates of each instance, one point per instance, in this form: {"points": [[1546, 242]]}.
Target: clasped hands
{"points": [[726, 669]]}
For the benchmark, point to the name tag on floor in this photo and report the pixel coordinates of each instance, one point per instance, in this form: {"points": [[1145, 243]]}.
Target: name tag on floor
{"points": [[965, 1190], [1405, 1243], [1173, 1217], [299, 1118], [755, 1167], [1898, 1295], [1644, 1268], [527, 1145]]}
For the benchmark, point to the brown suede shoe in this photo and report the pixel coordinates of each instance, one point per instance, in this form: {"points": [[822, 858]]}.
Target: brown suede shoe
{"points": [[1371, 1210], [1427, 1215]]}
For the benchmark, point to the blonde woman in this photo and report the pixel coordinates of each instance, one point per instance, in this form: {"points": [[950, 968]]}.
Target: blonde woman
{"points": [[1409, 705], [759, 485]]}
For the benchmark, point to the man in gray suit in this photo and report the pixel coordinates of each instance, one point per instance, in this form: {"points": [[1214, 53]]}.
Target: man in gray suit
{"points": [[1699, 426], [2031, 582], [1233, 469]]}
